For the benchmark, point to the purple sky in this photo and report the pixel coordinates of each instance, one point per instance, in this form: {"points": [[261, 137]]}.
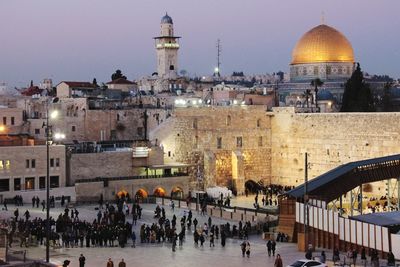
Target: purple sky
{"points": [[82, 39]]}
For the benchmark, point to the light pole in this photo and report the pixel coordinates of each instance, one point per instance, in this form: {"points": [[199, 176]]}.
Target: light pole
{"points": [[48, 141]]}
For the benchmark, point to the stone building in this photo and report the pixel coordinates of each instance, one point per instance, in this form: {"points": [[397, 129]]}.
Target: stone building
{"points": [[24, 167], [321, 53]]}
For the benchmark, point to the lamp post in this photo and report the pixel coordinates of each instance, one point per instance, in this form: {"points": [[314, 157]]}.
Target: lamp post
{"points": [[48, 141]]}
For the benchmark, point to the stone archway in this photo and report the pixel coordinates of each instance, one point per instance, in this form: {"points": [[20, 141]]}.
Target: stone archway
{"points": [[177, 192], [141, 194], [252, 187], [159, 192]]}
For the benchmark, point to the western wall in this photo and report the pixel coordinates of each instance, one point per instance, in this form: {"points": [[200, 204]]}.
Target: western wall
{"points": [[273, 143]]}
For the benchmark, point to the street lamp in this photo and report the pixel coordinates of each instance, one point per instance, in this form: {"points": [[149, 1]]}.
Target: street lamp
{"points": [[48, 142]]}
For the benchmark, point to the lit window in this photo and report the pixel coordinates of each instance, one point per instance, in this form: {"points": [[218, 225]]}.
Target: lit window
{"points": [[8, 164], [239, 141], [2, 164], [228, 120]]}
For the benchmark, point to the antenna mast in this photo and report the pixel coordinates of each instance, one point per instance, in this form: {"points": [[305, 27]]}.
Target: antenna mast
{"points": [[217, 69]]}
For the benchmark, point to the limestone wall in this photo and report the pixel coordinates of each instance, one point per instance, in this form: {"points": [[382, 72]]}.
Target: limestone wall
{"points": [[192, 131], [330, 139], [106, 164]]}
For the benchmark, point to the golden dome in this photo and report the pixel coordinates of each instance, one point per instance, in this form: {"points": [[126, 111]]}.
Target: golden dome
{"points": [[322, 44]]}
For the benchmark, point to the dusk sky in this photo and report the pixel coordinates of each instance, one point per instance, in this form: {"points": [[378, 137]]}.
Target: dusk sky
{"points": [[83, 39]]}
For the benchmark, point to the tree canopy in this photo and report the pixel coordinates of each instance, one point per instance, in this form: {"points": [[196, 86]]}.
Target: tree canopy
{"points": [[357, 96], [117, 74]]}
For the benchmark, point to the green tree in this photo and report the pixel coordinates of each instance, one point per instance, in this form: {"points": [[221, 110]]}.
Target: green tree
{"points": [[316, 83], [386, 98], [357, 96], [307, 94], [117, 74]]}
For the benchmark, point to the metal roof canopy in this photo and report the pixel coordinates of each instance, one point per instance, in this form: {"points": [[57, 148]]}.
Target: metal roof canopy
{"points": [[336, 182], [381, 218]]}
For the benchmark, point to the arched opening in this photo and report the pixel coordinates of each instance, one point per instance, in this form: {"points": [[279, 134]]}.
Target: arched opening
{"points": [[159, 192], [177, 192], [122, 193], [252, 187], [141, 194]]}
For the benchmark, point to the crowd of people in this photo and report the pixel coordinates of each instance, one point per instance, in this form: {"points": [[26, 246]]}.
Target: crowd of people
{"points": [[111, 228]]}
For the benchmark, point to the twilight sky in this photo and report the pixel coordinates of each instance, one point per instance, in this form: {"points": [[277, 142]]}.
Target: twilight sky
{"points": [[83, 39]]}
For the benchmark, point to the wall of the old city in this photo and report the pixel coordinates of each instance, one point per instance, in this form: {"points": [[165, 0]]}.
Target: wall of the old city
{"points": [[192, 131], [330, 139]]}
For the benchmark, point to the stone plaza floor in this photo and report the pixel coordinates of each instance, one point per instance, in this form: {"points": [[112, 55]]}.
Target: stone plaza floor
{"points": [[160, 255]]}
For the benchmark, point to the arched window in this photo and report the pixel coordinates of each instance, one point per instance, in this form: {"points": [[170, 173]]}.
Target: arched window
{"points": [[228, 120], [258, 123]]}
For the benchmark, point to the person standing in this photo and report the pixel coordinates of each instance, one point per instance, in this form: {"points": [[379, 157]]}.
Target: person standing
{"points": [[278, 261], [363, 257], [110, 263], [248, 249], [33, 201], [82, 260], [269, 247], [273, 247], [243, 248], [37, 202], [122, 263], [323, 257]]}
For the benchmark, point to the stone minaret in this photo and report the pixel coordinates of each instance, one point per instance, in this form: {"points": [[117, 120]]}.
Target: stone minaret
{"points": [[167, 47]]}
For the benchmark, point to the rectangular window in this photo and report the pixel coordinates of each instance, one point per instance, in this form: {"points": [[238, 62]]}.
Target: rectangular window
{"points": [[37, 131], [17, 184], [27, 163], [52, 163], [2, 165], [260, 141], [12, 121], [219, 142], [73, 128], [7, 164], [57, 162], [29, 183], [239, 141], [4, 120], [54, 181], [33, 163], [4, 185], [42, 182]]}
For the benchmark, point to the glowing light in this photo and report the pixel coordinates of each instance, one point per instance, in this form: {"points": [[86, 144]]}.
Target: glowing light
{"points": [[2, 128], [200, 101], [235, 102], [59, 136], [54, 114], [216, 69]]}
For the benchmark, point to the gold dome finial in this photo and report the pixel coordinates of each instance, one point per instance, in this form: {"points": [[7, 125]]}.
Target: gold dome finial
{"points": [[322, 17]]}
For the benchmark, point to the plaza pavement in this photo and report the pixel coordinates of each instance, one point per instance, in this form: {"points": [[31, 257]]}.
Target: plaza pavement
{"points": [[160, 255]]}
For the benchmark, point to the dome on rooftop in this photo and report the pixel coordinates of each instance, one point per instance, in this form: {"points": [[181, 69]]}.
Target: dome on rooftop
{"points": [[166, 19], [322, 44]]}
